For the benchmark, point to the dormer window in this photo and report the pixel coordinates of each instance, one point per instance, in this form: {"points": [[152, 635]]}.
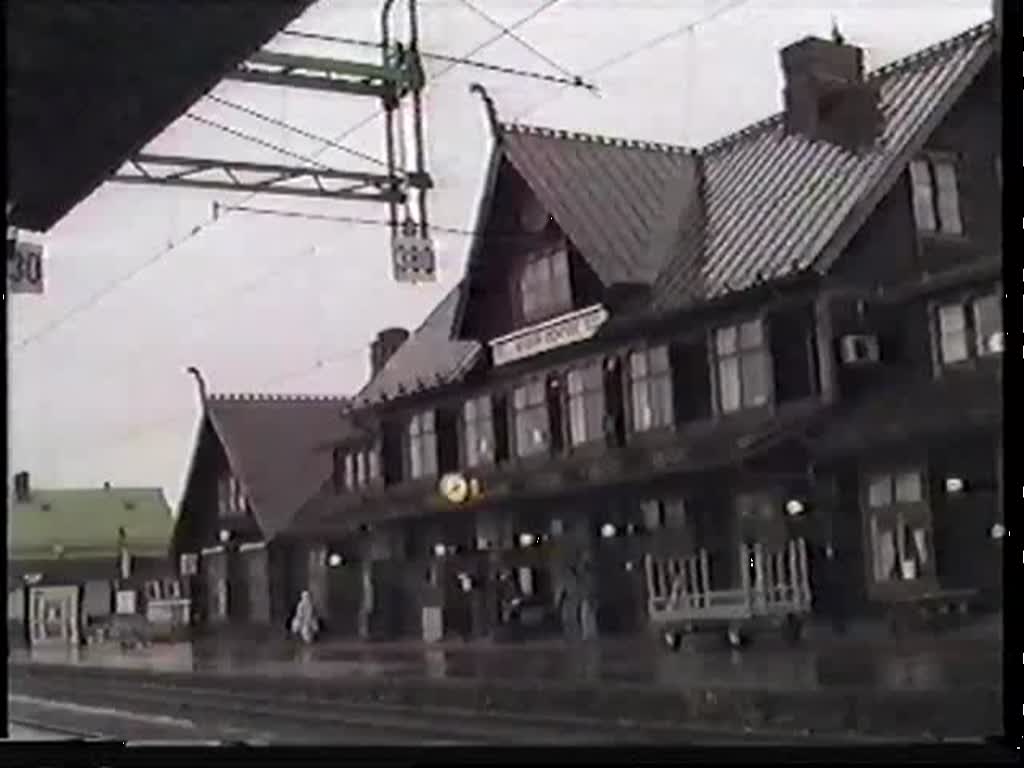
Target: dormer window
{"points": [[544, 285], [936, 197]]}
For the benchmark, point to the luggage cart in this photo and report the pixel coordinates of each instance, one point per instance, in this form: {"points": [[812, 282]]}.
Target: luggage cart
{"points": [[774, 592]]}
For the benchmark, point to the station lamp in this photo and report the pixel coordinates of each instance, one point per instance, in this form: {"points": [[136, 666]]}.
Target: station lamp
{"points": [[954, 485]]}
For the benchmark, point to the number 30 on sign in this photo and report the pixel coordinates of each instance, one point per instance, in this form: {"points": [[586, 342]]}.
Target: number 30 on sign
{"points": [[24, 267]]}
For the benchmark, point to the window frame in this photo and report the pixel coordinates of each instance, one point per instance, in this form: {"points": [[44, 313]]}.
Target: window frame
{"points": [[763, 350], [533, 404], [654, 387], [356, 468], [231, 501], [931, 161], [478, 427], [585, 403], [898, 516], [421, 445], [540, 299], [967, 305]]}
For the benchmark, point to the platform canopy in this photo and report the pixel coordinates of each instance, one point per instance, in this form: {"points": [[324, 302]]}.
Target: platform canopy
{"points": [[91, 82]]}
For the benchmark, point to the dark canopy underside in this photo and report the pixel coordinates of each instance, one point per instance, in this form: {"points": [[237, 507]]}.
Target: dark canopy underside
{"points": [[90, 82]]}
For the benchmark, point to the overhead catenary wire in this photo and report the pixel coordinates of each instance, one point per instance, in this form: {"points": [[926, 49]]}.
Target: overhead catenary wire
{"points": [[293, 129], [445, 70], [109, 288], [647, 45], [163, 423], [257, 140], [571, 80], [126, 277], [576, 79], [215, 218], [358, 220]]}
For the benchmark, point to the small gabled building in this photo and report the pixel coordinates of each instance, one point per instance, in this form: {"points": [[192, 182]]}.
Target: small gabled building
{"points": [[70, 550], [255, 460], [788, 335]]}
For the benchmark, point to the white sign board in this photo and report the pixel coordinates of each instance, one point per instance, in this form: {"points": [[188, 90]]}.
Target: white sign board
{"points": [[24, 267], [551, 334], [413, 255]]}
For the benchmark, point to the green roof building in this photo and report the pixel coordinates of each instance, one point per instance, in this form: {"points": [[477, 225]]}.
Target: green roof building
{"points": [[82, 524]]}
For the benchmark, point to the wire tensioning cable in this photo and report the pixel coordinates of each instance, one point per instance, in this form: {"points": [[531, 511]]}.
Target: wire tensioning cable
{"points": [[126, 277], [642, 48], [215, 218], [292, 128], [524, 43], [445, 70], [573, 81], [256, 140]]}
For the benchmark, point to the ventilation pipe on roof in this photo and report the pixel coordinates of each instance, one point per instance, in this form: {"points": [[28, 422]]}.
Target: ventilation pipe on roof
{"points": [[827, 97], [384, 347]]}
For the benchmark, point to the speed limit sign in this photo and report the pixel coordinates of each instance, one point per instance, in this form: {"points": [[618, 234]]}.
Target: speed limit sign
{"points": [[24, 267]]}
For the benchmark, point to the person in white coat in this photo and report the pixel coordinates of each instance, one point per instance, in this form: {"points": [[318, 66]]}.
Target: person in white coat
{"points": [[305, 624]]}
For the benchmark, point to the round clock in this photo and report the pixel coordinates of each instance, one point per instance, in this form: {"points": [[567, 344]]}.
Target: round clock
{"points": [[454, 487], [533, 218]]}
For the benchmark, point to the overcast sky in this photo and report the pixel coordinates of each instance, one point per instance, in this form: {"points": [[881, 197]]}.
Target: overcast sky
{"points": [[270, 304]]}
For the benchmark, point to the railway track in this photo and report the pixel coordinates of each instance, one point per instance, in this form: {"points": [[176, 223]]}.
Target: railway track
{"points": [[58, 732], [303, 716]]}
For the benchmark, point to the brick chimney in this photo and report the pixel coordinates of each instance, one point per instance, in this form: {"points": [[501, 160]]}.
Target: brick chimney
{"points": [[826, 95], [22, 488], [384, 346]]}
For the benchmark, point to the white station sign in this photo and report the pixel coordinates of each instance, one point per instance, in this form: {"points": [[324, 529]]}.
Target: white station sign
{"points": [[551, 334]]}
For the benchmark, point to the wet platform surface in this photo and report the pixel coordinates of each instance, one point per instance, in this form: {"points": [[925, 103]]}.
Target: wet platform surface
{"points": [[969, 658]]}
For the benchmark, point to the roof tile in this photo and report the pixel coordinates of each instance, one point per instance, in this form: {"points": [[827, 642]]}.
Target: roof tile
{"points": [[429, 357], [86, 520], [272, 446], [607, 194], [774, 201]]}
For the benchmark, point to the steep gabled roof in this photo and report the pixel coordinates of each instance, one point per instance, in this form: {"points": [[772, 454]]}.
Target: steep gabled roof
{"points": [[84, 523], [777, 204], [773, 204], [429, 358], [272, 443], [608, 195]]}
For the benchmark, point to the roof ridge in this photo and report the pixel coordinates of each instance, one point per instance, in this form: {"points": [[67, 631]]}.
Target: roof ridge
{"points": [[100, 489], [275, 397], [594, 138], [922, 54], [902, 63]]}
